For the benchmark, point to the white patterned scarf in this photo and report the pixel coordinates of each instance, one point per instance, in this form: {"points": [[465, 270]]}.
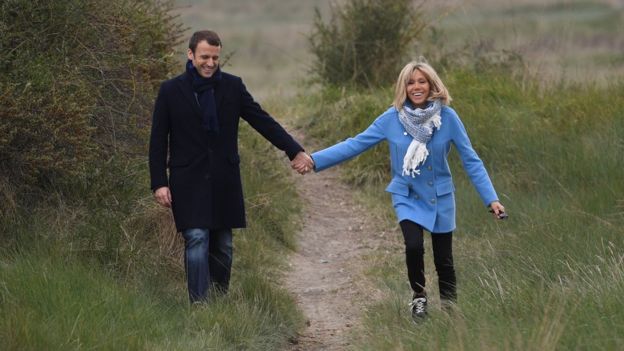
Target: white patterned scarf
{"points": [[419, 123]]}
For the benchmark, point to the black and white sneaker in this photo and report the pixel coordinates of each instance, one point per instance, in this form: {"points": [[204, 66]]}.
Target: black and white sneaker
{"points": [[418, 306]]}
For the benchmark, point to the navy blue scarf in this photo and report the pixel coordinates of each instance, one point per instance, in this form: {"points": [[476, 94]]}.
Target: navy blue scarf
{"points": [[204, 89]]}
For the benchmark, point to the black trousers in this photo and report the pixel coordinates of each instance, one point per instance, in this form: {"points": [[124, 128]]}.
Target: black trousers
{"points": [[442, 257]]}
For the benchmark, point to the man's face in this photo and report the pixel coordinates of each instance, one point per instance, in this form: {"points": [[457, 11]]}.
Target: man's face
{"points": [[205, 58]]}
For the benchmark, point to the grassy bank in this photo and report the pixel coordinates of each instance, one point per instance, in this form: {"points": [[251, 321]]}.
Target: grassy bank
{"points": [[551, 276]]}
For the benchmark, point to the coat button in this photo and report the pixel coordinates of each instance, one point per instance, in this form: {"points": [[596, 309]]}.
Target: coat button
{"points": [[430, 183], [207, 176], [433, 201], [428, 168], [416, 197], [404, 133]]}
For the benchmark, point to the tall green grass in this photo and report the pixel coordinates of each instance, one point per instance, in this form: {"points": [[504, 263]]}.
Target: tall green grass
{"points": [[551, 277], [104, 272]]}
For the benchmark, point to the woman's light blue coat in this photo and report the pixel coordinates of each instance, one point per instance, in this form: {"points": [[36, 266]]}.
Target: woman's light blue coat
{"points": [[427, 199]]}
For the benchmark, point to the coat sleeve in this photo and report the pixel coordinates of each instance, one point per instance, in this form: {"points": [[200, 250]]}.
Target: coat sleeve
{"points": [[268, 127], [350, 147], [159, 142], [472, 163]]}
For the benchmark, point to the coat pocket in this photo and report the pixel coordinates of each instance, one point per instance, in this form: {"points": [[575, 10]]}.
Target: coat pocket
{"points": [[445, 187], [398, 187]]}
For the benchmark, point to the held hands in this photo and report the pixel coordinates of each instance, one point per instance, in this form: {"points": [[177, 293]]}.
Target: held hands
{"points": [[498, 210], [163, 196], [302, 163]]}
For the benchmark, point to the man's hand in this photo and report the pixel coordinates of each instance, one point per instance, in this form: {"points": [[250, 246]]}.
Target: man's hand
{"points": [[163, 196], [302, 163]]}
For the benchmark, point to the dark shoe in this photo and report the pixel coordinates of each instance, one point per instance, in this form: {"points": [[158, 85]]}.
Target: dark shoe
{"points": [[418, 306]]}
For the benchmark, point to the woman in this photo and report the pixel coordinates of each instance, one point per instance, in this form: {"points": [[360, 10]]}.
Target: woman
{"points": [[420, 128]]}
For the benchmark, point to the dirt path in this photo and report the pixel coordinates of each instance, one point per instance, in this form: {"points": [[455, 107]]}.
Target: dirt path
{"points": [[326, 271]]}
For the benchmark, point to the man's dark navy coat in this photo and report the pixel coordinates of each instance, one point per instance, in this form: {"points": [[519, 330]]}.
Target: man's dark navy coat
{"points": [[204, 174]]}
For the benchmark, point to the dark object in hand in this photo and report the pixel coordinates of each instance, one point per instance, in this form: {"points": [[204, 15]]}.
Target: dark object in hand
{"points": [[501, 214]]}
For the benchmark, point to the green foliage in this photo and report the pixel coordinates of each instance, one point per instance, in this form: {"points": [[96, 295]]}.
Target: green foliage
{"points": [[59, 304], [365, 42], [56, 305], [44, 134], [77, 83]]}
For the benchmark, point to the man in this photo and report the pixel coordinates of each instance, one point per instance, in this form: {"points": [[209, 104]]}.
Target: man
{"points": [[195, 124]]}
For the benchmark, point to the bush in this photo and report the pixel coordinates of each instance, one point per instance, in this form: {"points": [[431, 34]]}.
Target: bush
{"points": [[77, 81], [366, 41], [44, 134]]}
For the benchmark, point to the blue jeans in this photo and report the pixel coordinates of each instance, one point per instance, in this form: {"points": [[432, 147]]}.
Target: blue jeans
{"points": [[207, 261]]}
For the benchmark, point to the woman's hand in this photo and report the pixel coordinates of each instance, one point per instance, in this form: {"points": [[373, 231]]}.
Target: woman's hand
{"points": [[302, 163], [498, 210]]}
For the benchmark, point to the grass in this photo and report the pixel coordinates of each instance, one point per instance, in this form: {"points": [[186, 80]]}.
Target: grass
{"points": [[562, 40], [107, 274], [62, 305], [548, 278], [99, 266]]}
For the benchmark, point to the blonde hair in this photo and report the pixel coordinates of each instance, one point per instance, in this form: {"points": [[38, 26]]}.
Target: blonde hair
{"points": [[437, 90]]}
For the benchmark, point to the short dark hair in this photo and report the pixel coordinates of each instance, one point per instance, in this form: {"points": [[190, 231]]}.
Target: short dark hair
{"points": [[211, 37]]}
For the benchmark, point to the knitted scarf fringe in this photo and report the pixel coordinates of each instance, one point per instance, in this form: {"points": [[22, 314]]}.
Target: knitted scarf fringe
{"points": [[417, 151]]}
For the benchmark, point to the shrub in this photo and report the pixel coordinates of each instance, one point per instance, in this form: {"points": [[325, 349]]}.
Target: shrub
{"points": [[365, 42], [77, 82]]}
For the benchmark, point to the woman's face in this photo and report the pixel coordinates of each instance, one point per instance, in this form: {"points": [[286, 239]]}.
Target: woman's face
{"points": [[418, 89]]}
